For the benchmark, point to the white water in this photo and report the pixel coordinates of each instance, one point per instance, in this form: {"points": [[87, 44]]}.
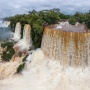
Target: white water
{"points": [[17, 33], [41, 73], [25, 43]]}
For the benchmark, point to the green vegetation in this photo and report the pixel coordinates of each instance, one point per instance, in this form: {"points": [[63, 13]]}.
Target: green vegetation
{"points": [[9, 52], [72, 20], [20, 68], [39, 19]]}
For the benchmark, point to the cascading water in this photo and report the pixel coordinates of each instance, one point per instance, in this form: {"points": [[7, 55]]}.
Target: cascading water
{"points": [[27, 36], [44, 69], [10, 68], [41, 73], [69, 44], [25, 43], [17, 33], [7, 69]]}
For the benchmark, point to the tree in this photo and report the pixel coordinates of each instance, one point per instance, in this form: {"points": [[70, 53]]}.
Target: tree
{"points": [[72, 20]]}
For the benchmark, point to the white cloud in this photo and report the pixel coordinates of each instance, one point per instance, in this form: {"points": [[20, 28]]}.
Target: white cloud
{"points": [[12, 7]]}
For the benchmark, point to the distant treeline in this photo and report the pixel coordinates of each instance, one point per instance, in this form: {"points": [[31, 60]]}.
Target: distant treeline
{"points": [[39, 19]]}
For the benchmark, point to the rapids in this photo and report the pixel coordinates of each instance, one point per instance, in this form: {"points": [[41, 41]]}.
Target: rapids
{"points": [[62, 63], [41, 73]]}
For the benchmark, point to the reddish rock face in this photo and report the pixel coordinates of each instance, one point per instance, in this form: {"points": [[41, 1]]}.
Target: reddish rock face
{"points": [[70, 45]]}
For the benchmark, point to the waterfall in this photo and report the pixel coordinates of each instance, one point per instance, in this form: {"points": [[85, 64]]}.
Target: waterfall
{"points": [[44, 68], [41, 73], [33, 62], [27, 35], [17, 34], [25, 43], [8, 69], [69, 44]]}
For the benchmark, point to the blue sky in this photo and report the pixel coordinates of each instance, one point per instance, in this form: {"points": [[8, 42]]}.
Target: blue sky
{"points": [[12, 7]]}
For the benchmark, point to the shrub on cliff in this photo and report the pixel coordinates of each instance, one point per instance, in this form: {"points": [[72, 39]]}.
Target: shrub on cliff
{"points": [[72, 20], [21, 67], [88, 24], [9, 52]]}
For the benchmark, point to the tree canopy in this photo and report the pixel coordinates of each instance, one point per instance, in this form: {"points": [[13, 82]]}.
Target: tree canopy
{"points": [[39, 19]]}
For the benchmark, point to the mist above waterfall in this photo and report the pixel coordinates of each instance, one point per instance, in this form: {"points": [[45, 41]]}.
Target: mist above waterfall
{"points": [[47, 74], [5, 30]]}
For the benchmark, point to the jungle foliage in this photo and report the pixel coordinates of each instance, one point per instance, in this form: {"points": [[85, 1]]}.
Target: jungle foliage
{"points": [[9, 52], [39, 19]]}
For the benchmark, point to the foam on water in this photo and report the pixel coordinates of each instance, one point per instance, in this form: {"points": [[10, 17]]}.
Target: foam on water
{"points": [[42, 73]]}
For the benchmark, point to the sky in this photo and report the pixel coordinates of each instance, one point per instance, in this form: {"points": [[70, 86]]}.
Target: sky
{"points": [[13, 7]]}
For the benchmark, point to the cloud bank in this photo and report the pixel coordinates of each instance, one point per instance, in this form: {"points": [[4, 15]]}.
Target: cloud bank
{"points": [[12, 7]]}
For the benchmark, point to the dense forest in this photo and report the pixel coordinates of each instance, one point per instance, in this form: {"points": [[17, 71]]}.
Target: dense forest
{"points": [[39, 19]]}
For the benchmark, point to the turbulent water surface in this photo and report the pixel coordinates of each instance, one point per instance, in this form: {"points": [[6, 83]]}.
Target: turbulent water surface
{"points": [[41, 73]]}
